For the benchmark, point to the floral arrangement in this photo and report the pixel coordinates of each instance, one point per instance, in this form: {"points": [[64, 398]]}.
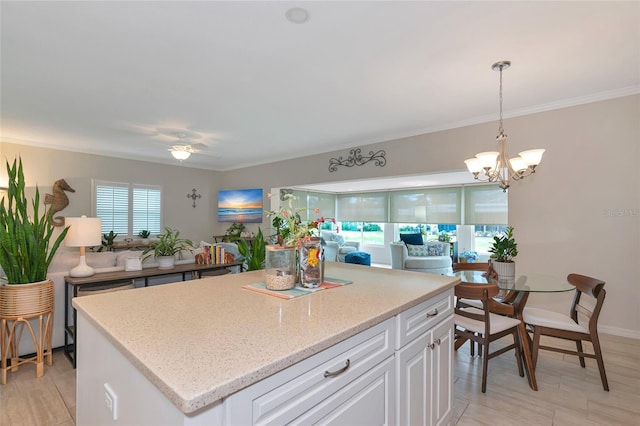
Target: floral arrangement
{"points": [[290, 229]]}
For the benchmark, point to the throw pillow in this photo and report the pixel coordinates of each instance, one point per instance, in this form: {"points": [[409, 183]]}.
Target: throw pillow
{"points": [[338, 239], [415, 239], [435, 249], [417, 250]]}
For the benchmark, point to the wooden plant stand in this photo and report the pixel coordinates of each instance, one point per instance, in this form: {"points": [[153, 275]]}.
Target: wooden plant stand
{"points": [[18, 305]]}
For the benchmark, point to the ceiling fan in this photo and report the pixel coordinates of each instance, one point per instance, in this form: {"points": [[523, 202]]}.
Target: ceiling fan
{"points": [[183, 147]]}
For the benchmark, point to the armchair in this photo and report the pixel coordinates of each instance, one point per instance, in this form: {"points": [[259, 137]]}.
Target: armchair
{"points": [[336, 248], [401, 259]]}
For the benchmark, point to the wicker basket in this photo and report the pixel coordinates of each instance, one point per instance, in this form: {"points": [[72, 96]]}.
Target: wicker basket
{"points": [[19, 304], [26, 300]]}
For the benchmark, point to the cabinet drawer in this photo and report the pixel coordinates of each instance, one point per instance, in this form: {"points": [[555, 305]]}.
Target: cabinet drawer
{"points": [[415, 321], [287, 395]]}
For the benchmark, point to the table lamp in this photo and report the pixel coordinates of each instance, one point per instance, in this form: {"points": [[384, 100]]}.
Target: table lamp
{"points": [[83, 231]]}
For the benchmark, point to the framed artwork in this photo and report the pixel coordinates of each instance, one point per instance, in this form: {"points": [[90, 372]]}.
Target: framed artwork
{"points": [[240, 205]]}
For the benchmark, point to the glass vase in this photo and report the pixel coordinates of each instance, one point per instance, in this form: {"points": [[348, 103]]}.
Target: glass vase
{"points": [[311, 263], [280, 267]]}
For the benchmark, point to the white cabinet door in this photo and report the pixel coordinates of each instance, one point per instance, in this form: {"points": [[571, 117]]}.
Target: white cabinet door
{"points": [[414, 382], [425, 377], [442, 373]]}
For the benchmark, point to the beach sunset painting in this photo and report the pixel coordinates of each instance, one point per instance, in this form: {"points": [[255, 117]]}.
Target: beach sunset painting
{"points": [[240, 205]]}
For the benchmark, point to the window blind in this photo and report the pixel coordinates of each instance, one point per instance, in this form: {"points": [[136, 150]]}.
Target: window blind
{"points": [[363, 207], [485, 205], [325, 203], [112, 206], [429, 205], [147, 201], [127, 209]]}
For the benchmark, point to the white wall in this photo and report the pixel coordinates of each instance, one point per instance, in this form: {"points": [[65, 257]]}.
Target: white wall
{"points": [[579, 213], [44, 166]]}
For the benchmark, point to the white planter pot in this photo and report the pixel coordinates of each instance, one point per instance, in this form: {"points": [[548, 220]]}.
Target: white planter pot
{"points": [[505, 270], [166, 262]]}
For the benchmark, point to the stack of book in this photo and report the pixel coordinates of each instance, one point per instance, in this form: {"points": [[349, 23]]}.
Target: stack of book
{"points": [[213, 255]]}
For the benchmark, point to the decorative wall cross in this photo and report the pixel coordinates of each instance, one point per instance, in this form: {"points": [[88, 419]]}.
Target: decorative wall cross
{"points": [[357, 159], [194, 196]]}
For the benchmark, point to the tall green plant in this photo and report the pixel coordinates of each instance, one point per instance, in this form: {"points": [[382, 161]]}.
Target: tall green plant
{"points": [[254, 255], [24, 240]]}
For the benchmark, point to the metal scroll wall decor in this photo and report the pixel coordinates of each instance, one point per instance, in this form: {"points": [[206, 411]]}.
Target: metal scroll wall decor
{"points": [[194, 196], [356, 158]]}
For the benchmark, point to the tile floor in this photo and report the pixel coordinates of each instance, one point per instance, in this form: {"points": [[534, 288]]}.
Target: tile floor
{"points": [[568, 395]]}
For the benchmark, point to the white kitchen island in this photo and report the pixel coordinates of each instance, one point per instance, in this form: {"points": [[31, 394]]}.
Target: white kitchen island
{"points": [[208, 352]]}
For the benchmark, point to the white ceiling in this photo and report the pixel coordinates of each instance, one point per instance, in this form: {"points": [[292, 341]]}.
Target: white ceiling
{"points": [[126, 78]]}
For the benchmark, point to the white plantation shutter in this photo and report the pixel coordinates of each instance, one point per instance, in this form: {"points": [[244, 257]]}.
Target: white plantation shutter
{"points": [[126, 208], [147, 201], [112, 206]]}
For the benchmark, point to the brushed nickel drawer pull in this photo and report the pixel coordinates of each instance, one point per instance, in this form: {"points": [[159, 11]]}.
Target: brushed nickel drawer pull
{"points": [[337, 373], [432, 314]]}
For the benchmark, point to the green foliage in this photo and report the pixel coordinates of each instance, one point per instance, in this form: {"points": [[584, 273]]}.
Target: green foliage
{"points": [[254, 255], [444, 237], [108, 240], [504, 247], [168, 244], [235, 231], [24, 240], [144, 234]]}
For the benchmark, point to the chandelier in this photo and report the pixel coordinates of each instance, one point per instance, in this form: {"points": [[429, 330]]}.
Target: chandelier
{"points": [[495, 166]]}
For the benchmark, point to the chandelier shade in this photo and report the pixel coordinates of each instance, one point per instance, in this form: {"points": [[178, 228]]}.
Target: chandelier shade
{"points": [[496, 166]]}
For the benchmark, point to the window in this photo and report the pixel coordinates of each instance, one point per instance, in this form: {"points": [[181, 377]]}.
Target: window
{"points": [[126, 208], [366, 233]]}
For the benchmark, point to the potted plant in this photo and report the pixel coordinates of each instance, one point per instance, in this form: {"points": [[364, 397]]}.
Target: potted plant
{"points": [[168, 245], [503, 249], [25, 256], [108, 240], [144, 235], [234, 232], [254, 254]]}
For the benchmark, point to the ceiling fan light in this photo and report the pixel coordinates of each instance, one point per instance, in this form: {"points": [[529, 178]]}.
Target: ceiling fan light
{"points": [[532, 157], [180, 154]]}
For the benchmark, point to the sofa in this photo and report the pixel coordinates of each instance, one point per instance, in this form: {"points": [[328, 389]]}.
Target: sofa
{"points": [[431, 256], [336, 248]]}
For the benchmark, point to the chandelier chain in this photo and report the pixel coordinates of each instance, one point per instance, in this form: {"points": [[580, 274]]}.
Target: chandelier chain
{"points": [[501, 128]]}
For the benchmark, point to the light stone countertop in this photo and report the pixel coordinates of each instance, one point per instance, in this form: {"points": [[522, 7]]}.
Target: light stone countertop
{"points": [[202, 340]]}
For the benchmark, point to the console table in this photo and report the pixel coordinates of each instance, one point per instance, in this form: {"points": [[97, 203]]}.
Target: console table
{"points": [[100, 279]]}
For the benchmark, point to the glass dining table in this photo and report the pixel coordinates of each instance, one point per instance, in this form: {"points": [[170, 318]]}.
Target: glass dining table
{"points": [[512, 299]]}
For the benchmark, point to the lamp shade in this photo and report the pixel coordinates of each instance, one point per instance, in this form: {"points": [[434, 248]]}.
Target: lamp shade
{"points": [[83, 231]]}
